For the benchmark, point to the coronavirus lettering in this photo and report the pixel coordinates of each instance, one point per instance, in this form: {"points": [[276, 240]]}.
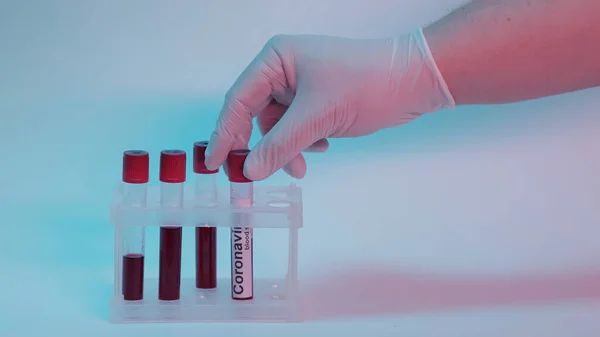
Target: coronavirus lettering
{"points": [[241, 263]]}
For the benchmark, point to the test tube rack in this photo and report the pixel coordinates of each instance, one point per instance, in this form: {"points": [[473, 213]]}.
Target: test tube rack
{"points": [[275, 300]]}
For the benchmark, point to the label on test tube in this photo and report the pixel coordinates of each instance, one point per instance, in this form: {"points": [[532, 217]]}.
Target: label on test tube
{"points": [[241, 256]]}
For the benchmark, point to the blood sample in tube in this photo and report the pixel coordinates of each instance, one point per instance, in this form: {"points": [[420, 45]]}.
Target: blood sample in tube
{"points": [[206, 235], [172, 178], [135, 180], [133, 277], [241, 194]]}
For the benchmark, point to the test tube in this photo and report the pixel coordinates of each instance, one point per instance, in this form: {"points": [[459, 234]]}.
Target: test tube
{"points": [[241, 195], [135, 180], [206, 236], [172, 178]]}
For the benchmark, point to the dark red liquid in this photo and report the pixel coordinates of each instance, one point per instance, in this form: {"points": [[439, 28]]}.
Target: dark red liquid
{"points": [[169, 278], [206, 257], [133, 277]]}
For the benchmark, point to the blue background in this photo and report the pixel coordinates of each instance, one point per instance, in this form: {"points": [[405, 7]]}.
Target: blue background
{"points": [[482, 221]]}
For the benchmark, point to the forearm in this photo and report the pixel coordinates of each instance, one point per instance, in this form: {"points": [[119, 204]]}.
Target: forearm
{"points": [[501, 51]]}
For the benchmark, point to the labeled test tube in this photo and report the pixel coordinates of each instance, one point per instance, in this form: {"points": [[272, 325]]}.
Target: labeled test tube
{"points": [[206, 236], [172, 178], [135, 180], [241, 195]]}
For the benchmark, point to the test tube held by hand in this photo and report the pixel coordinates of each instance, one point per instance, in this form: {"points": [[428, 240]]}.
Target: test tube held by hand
{"points": [[241, 195], [135, 178], [206, 236], [172, 177]]}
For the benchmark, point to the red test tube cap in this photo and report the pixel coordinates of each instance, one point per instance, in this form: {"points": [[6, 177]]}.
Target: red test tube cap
{"points": [[199, 156], [172, 166], [136, 166], [234, 166]]}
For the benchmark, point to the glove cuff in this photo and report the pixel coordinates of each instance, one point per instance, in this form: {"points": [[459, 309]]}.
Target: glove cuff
{"points": [[440, 83]]}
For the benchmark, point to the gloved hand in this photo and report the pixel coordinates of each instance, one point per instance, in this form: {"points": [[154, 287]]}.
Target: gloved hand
{"points": [[305, 89]]}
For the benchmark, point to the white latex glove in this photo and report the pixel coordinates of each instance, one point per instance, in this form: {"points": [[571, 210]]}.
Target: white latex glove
{"points": [[305, 89]]}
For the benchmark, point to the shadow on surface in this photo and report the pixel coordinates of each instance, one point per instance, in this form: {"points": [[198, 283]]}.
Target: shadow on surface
{"points": [[372, 291]]}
